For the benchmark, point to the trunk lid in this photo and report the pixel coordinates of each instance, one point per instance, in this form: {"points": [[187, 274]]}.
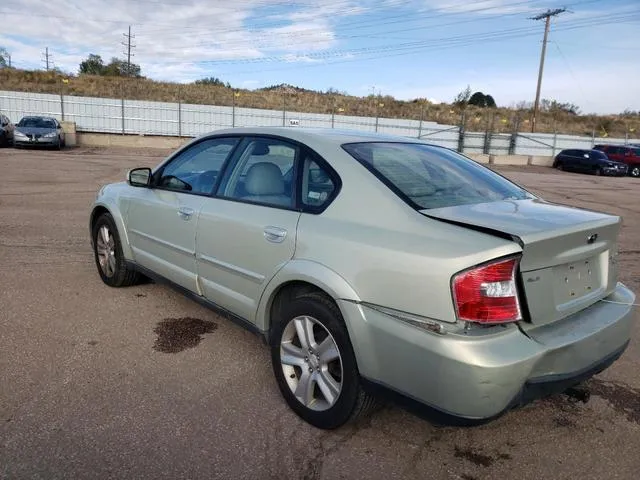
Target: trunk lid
{"points": [[568, 254]]}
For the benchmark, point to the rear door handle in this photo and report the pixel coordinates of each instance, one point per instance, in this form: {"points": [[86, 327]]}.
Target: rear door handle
{"points": [[275, 234], [185, 213]]}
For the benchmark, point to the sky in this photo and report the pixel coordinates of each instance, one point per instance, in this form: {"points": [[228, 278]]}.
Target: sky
{"points": [[405, 48]]}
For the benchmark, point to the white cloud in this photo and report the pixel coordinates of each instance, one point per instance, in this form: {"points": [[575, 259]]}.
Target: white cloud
{"points": [[168, 40], [484, 7]]}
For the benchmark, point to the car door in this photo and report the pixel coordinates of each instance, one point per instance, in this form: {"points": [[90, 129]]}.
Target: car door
{"points": [[162, 219], [571, 160], [247, 232]]}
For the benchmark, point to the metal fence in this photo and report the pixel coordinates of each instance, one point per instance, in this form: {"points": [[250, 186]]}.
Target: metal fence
{"points": [[105, 115]]}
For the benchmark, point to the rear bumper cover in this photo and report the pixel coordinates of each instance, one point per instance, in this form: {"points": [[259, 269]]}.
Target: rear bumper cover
{"points": [[471, 379]]}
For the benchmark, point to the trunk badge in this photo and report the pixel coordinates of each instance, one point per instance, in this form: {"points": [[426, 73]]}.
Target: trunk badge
{"points": [[592, 238]]}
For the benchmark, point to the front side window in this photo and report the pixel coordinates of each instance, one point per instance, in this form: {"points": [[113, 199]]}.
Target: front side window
{"points": [[263, 173], [196, 169], [433, 177]]}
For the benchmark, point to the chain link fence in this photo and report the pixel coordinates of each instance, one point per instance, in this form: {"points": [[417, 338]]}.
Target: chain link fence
{"points": [[137, 117]]}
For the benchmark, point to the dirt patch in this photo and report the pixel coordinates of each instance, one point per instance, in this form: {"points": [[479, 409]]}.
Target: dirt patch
{"points": [[178, 334], [623, 398]]}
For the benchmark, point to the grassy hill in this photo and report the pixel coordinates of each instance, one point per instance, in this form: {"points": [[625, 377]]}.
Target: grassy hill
{"points": [[301, 100]]}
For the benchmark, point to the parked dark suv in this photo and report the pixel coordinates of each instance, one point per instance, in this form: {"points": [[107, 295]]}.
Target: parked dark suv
{"points": [[628, 154], [588, 161], [6, 130]]}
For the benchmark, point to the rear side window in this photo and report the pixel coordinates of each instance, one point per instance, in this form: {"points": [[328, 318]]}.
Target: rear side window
{"points": [[317, 185], [427, 176]]}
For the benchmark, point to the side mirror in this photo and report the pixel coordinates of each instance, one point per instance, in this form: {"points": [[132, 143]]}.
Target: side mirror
{"points": [[139, 177]]}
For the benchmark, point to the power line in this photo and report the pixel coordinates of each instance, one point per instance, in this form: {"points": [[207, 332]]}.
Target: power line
{"points": [[547, 16], [427, 44], [346, 58], [47, 57], [128, 46]]}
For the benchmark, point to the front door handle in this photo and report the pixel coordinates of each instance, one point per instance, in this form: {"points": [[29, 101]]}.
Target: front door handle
{"points": [[275, 234], [185, 213]]}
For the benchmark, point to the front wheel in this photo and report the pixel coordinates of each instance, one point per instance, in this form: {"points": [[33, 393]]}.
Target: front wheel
{"points": [[314, 363], [109, 258], [634, 171]]}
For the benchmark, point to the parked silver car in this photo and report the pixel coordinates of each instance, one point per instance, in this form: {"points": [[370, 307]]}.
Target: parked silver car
{"points": [[39, 131], [375, 264]]}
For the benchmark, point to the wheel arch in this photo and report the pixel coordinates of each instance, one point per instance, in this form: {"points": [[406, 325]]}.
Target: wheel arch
{"points": [[99, 209], [304, 276]]}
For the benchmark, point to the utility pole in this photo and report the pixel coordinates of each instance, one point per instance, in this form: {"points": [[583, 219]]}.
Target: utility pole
{"points": [[128, 47], [47, 56], [547, 16]]}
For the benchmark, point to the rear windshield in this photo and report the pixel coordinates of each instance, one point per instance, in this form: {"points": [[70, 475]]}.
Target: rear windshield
{"points": [[433, 177]]}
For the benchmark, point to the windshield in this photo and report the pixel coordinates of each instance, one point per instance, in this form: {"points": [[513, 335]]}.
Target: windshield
{"points": [[433, 177], [37, 122]]}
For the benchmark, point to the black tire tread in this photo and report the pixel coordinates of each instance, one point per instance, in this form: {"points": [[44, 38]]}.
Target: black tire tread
{"points": [[126, 275], [365, 402]]}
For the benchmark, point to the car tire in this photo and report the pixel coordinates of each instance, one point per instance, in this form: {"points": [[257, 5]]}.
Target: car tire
{"points": [[318, 318], [598, 171], [59, 144], [634, 171], [107, 249]]}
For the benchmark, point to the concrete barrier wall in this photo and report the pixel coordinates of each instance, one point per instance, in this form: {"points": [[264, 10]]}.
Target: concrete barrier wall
{"points": [[509, 159], [129, 141], [541, 161], [478, 157]]}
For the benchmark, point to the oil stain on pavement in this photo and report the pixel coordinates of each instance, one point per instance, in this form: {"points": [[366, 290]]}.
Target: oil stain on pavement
{"points": [[178, 334], [623, 398]]}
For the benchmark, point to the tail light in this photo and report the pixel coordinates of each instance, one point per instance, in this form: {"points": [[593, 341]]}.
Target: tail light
{"points": [[488, 293]]}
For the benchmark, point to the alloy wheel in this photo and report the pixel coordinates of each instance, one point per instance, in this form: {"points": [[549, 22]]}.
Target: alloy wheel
{"points": [[311, 363], [106, 249]]}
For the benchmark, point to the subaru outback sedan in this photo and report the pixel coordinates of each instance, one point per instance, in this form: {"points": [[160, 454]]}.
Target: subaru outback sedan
{"points": [[375, 264]]}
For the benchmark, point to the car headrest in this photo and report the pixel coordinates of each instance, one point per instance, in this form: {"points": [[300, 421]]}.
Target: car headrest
{"points": [[264, 179], [317, 175], [260, 148]]}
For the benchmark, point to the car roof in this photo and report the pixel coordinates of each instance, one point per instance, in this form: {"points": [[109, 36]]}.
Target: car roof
{"points": [[43, 117], [333, 136]]}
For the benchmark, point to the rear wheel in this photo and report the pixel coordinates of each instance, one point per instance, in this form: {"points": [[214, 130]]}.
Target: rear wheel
{"points": [[314, 363], [112, 267], [634, 171]]}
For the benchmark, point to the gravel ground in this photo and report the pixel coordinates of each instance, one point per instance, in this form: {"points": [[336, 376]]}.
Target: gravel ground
{"points": [[143, 383]]}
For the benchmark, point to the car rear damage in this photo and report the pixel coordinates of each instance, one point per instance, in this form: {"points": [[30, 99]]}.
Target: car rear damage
{"points": [[537, 323]]}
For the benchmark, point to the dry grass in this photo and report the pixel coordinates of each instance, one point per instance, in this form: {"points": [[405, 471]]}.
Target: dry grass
{"points": [[502, 119]]}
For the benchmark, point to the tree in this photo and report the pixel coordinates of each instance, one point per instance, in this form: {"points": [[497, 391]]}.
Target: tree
{"points": [[462, 98], [119, 68], [5, 58], [481, 100], [553, 106], [212, 81], [93, 65]]}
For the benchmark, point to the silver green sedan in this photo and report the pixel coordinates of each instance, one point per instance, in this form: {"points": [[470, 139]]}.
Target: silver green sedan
{"points": [[375, 265]]}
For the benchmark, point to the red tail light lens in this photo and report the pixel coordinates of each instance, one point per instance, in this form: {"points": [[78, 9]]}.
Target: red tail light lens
{"points": [[488, 293]]}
